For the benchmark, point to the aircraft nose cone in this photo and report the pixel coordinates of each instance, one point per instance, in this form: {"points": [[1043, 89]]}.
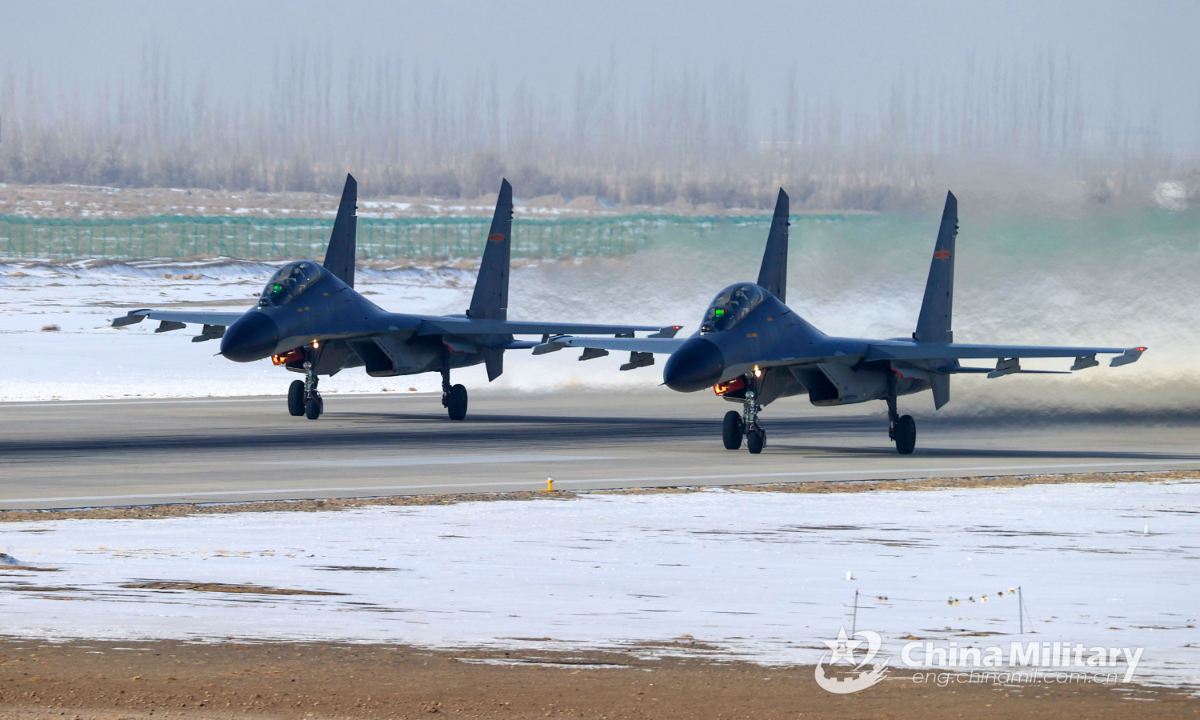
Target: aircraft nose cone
{"points": [[697, 364], [251, 337]]}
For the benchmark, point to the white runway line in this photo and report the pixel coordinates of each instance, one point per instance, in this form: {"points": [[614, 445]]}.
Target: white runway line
{"points": [[436, 460], [605, 483], [204, 401]]}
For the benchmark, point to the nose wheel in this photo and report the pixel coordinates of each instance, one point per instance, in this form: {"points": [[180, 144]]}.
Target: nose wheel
{"points": [[296, 398], [744, 424], [303, 398], [756, 440], [732, 430]]}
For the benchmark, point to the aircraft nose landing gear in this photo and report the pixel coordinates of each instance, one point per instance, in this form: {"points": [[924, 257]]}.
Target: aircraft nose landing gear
{"points": [[303, 398], [756, 437], [744, 424]]}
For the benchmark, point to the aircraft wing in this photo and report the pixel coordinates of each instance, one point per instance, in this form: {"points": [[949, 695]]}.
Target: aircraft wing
{"points": [[214, 322], [470, 326], [661, 345], [900, 350]]}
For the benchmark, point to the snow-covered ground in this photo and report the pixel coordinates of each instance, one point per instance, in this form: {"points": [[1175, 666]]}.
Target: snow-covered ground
{"points": [[758, 575]]}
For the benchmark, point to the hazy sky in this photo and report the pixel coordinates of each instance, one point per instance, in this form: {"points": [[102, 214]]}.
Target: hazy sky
{"points": [[1149, 48]]}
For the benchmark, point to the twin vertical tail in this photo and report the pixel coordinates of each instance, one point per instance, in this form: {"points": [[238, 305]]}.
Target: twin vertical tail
{"points": [[490, 301], [933, 324], [339, 257], [772, 276]]}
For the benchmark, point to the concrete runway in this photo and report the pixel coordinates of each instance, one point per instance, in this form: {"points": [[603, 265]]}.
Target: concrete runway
{"points": [[105, 453]]}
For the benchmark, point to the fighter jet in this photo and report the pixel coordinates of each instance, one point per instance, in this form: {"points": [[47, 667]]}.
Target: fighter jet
{"points": [[753, 349], [310, 320]]}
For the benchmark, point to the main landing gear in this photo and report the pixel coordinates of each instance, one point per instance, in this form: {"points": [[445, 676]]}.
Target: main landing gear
{"points": [[303, 398], [901, 428], [454, 397], [744, 424]]}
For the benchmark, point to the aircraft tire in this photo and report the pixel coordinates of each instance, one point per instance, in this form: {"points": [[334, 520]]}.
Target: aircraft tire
{"points": [[296, 398], [756, 440], [312, 409], [456, 402], [732, 430], [906, 435]]}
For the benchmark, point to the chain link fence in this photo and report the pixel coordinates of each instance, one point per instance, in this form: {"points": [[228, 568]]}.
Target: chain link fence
{"points": [[178, 237]]}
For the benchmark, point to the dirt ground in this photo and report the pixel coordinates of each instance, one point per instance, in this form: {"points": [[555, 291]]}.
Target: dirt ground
{"points": [[96, 680], [150, 512]]}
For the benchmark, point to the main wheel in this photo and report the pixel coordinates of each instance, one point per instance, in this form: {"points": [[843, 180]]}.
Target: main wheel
{"points": [[312, 408], [906, 435], [732, 430], [296, 398], [456, 402], [756, 440]]}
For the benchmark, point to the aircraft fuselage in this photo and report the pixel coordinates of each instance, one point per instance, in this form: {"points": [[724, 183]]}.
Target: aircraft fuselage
{"points": [[333, 327], [762, 347]]}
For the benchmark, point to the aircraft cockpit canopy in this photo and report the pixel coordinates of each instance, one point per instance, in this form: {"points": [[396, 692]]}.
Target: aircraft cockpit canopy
{"points": [[731, 307], [290, 282]]}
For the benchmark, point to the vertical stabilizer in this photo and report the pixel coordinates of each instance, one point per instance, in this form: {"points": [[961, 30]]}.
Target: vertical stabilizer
{"points": [[339, 257], [933, 324], [772, 276], [490, 301]]}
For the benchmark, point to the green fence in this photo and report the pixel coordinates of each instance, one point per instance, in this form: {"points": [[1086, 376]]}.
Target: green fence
{"points": [[378, 239]]}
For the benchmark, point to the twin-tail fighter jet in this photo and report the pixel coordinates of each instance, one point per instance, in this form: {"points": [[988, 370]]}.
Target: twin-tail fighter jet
{"points": [[309, 319], [753, 349]]}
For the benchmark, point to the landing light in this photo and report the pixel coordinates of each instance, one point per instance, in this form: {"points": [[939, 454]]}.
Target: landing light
{"points": [[316, 344], [294, 355], [757, 372], [738, 383]]}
